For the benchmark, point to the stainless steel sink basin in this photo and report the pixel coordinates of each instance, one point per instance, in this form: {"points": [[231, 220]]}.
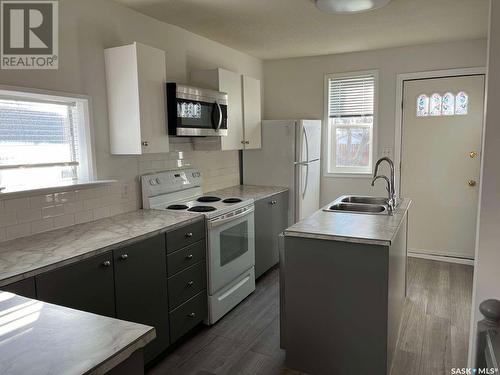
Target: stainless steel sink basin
{"points": [[359, 205], [364, 200]]}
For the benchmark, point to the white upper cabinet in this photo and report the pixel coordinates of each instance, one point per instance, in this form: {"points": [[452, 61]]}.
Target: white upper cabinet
{"points": [[239, 137], [135, 81], [252, 119]]}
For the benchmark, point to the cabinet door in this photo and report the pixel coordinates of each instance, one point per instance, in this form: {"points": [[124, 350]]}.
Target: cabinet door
{"points": [[270, 220], [252, 116], [230, 83], [25, 288], [151, 68], [141, 289], [86, 285]]}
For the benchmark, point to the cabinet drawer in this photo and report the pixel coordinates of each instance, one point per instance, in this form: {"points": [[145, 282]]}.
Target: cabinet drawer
{"points": [[186, 257], [185, 236], [186, 284], [188, 315]]}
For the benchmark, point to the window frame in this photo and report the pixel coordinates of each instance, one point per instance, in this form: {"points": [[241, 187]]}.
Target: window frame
{"points": [[86, 168], [329, 147]]}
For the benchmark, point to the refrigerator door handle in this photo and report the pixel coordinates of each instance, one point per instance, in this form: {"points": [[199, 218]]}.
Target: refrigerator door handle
{"points": [[307, 179], [307, 143]]}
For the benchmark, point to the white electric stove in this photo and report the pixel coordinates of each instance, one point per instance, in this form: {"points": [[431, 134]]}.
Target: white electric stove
{"points": [[231, 234]]}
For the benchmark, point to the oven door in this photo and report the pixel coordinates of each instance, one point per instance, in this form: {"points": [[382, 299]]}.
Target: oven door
{"points": [[231, 247], [196, 118]]}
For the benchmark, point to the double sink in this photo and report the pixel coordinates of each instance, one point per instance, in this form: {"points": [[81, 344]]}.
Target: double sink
{"points": [[360, 205]]}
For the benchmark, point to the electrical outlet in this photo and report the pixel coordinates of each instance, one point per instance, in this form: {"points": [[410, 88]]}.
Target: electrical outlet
{"points": [[387, 152]]}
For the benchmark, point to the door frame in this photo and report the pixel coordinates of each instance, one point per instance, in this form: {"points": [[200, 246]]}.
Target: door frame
{"points": [[398, 129]]}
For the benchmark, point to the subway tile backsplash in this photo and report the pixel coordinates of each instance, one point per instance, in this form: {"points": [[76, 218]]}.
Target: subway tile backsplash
{"points": [[20, 217]]}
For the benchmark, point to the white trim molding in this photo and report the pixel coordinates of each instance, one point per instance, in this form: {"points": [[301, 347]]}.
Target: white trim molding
{"points": [[401, 78]]}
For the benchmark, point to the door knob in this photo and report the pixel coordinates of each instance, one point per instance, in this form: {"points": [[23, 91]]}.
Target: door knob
{"points": [[472, 182], [473, 154]]}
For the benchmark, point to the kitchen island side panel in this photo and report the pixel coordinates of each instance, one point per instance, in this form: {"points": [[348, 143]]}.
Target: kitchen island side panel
{"points": [[397, 287], [336, 302]]}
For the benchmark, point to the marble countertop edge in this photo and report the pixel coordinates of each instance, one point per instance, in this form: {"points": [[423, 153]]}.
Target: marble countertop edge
{"points": [[124, 354], [29, 271]]}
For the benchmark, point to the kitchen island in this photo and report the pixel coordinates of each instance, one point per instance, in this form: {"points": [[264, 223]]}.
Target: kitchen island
{"points": [[343, 286]]}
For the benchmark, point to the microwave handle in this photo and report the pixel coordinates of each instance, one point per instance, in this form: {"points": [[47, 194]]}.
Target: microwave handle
{"points": [[219, 122]]}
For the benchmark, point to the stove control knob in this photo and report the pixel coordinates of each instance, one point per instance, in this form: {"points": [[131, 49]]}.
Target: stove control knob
{"points": [[158, 181], [152, 182]]}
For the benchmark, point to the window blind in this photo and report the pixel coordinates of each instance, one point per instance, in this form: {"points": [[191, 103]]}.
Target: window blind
{"points": [[37, 133], [351, 96]]}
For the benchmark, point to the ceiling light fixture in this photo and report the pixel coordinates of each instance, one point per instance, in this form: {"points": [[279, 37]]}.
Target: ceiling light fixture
{"points": [[349, 6]]}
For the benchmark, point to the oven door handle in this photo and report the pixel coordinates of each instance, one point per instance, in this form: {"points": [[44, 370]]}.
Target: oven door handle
{"points": [[218, 222]]}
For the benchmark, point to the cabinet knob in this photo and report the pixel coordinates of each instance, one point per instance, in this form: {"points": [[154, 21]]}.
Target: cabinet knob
{"points": [[247, 142], [192, 315], [189, 235], [242, 142], [145, 143], [124, 256], [190, 283], [273, 202], [106, 263], [190, 256]]}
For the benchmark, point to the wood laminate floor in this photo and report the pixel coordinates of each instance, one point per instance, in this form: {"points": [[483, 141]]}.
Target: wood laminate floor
{"points": [[433, 337]]}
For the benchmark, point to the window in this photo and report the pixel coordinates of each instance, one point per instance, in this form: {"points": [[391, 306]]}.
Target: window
{"points": [[422, 105], [44, 140], [435, 106], [447, 105], [351, 120], [462, 103]]}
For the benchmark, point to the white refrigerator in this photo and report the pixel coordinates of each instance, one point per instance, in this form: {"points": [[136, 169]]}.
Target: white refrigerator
{"points": [[290, 157]]}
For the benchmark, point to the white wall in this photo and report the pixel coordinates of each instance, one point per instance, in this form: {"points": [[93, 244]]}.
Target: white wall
{"points": [[293, 88], [487, 259], [86, 28]]}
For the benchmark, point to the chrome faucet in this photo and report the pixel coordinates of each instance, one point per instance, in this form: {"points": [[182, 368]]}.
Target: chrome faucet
{"points": [[391, 183]]}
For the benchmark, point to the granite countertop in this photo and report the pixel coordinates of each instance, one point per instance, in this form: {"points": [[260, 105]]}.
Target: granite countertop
{"points": [[29, 256], [254, 192], [347, 227], [41, 338]]}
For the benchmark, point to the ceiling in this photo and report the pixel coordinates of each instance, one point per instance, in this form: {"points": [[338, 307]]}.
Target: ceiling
{"points": [[271, 29]]}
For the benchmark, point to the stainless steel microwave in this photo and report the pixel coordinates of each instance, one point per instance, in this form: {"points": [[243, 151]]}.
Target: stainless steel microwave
{"points": [[196, 112]]}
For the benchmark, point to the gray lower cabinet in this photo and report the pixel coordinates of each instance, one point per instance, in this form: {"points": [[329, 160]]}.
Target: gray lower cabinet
{"points": [[87, 285], [25, 288], [141, 289], [271, 218]]}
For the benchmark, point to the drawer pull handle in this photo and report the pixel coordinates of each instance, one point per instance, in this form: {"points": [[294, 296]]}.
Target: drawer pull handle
{"points": [[190, 256], [124, 256], [190, 283], [189, 235], [192, 315], [106, 263]]}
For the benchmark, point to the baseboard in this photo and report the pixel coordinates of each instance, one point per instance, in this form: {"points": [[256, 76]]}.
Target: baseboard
{"points": [[442, 258]]}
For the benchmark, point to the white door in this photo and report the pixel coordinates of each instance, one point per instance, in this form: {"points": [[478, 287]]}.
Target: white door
{"points": [[307, 195], [252, 116], [230, 83], [440, 162], [311, 140]]}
